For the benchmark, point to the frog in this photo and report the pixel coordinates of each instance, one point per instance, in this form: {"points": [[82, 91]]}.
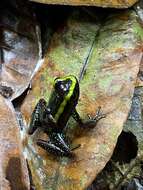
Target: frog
{"points": [[52, 116]]}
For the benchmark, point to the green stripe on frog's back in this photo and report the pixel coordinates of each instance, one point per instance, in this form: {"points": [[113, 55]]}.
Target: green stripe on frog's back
{"points": [[67, 97]]}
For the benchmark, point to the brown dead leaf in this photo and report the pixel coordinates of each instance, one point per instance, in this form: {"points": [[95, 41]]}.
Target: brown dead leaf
{"points": [[100, 3], [13, 168], [107, 79], [19, 49]]}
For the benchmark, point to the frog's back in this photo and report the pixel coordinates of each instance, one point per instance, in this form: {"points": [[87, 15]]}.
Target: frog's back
{"points": [[69, 108], [62, 106]]}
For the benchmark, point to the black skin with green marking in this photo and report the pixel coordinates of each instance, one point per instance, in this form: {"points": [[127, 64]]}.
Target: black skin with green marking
{"points": [[52, 118]]}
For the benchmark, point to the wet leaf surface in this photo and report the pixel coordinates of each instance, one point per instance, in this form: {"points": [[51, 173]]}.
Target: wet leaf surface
{"points": [[13, 167], [19, 49], [100, 3], [106, 60]]}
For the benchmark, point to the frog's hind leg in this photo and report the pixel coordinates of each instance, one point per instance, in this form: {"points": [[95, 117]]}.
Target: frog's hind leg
{"points": [[52, 148], [36, 117], [59, 140]]}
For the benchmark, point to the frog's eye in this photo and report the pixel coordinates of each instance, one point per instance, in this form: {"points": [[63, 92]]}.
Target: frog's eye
{"points": [[61, 87], [57, 81], [57, 85]]}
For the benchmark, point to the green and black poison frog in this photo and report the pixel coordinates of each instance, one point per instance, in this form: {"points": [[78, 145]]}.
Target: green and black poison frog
{"points": [[53, 117]]}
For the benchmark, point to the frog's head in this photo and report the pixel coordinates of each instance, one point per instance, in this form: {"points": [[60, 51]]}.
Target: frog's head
{"points": [[65, 85]]}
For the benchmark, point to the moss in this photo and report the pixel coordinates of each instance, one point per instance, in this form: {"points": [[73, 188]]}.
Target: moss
{"points": [[138, 30], [83, 180]]}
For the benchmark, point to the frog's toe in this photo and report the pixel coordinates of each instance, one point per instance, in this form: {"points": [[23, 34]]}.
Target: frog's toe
{"points": [[52, 148], [99, 115]]}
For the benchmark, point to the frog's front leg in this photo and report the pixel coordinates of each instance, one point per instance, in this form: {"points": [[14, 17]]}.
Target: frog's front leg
{"points": [[77, 117], [36, 118], [42, 118], [92, 120], [56, 145]]}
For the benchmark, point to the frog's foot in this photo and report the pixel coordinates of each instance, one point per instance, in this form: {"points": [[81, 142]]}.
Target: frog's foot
{"points": [[52, 148], [99, 115]]}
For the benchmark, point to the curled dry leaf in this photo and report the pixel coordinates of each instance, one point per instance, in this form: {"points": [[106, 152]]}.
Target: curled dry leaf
{"points": [[100, 3], [106, 59], [13, 167], [19, 51]]}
